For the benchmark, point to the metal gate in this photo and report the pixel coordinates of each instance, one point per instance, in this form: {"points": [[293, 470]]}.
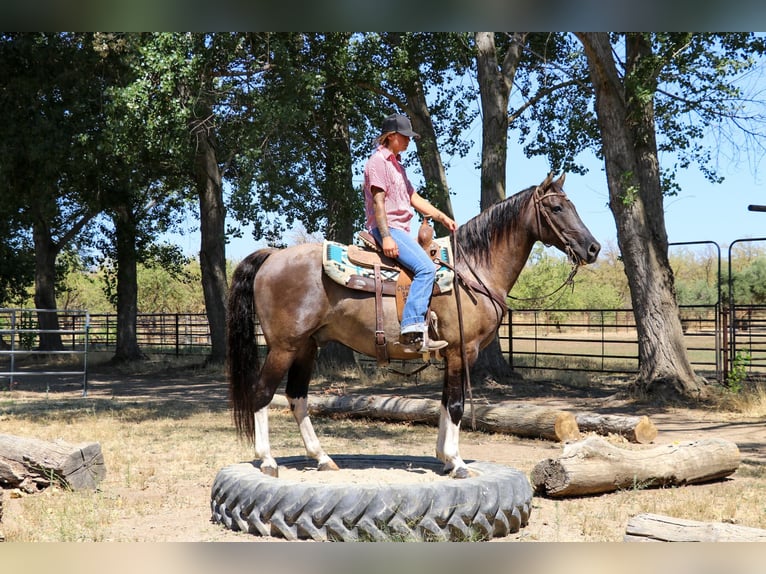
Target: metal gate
{"points": [[746, 328], [20, 338]]}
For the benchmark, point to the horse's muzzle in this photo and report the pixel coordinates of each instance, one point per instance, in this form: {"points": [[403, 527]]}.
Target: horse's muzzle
{"points": [[581, 255]]}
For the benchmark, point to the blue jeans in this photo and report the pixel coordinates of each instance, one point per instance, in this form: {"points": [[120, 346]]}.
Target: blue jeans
{"points": [[413, 257]]}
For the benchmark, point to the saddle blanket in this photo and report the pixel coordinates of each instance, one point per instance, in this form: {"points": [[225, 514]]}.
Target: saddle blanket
{"points": [[340, 269]]}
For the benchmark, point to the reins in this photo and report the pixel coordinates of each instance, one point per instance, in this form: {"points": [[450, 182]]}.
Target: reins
{"points": [[463, 353]]}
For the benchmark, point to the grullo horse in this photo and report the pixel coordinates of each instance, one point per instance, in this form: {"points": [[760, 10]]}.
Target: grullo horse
{"points": [[300, 309]]}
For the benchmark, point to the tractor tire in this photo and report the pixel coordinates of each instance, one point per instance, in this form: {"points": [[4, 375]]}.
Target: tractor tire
{"points": [[494, 503]]}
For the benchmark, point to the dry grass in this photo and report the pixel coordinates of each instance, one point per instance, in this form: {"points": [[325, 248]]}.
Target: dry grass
{"points": [[163, 449]]}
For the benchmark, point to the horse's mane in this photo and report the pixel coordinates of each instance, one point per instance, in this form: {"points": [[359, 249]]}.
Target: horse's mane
{"points": [[477, 236]]}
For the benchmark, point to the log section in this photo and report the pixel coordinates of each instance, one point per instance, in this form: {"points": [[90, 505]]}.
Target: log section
{"points": [[658, 528], [31, 464], [638, 429], [505, 417], [594, 466]]}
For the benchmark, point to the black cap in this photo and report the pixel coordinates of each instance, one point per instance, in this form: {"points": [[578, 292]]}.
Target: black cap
{"points": [[400, 124]]}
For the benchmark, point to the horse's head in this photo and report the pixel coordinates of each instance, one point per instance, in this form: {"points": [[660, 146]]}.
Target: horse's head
{"points": [[559, 224]]}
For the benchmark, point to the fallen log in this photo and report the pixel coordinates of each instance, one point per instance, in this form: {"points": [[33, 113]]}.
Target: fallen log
{"points": [[505, 417], [31, 464], [658, 528], [594, 466], [638, 429]]}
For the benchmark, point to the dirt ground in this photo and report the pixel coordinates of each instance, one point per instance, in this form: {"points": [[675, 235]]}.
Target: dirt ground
{"points": [[675, 424]]}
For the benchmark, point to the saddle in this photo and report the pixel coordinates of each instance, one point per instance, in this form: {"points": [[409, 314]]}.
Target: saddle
{"points": [[364, 267]]}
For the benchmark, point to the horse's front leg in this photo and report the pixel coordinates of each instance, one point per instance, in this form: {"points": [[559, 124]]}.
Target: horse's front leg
{"points": [[450, 414]]}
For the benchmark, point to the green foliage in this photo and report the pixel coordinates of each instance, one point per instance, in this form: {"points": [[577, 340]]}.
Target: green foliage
{"points": [[749, 284], [696, 275], [552, 102], [629, 189], [161, 289], [598, 286], [738, 373]]}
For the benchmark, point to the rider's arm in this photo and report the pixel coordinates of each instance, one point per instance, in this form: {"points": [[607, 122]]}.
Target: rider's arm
{"points": [[390, 248], [425, 208]]}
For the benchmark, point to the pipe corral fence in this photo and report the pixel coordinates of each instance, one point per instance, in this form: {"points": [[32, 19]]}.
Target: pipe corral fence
{"points": [[584, 340], [718, 335], [21, 331]]}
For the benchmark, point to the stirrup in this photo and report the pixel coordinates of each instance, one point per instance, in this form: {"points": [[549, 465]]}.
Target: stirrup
{"points": [[420, 342]]}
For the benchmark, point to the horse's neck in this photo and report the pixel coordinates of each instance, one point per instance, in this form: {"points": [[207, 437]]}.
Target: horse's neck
{"points": [[505, 264]]}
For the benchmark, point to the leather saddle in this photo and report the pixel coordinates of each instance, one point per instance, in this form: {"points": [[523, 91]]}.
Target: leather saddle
{"points": [[354, 266], [364, 267]]}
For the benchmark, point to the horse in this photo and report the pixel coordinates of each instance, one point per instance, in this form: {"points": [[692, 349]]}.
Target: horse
{"points": [[300, 309]]}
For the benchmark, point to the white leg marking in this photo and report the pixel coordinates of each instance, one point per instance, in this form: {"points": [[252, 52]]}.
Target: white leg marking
{"points": [[300, 410], [447, 447], [262, 446]]}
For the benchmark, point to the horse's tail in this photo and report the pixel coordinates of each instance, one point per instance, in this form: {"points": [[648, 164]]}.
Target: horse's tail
{"points": [[242, 362]]}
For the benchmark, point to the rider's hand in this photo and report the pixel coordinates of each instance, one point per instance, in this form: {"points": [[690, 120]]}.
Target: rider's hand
{"points": [[449, 223], [390, 248]]}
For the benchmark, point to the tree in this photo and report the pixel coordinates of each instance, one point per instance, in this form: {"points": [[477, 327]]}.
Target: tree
{"points": [[190, 108], [54, 128], [661, 79]]}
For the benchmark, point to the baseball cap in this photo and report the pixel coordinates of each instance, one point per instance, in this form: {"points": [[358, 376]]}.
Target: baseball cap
{"points": [[399, 123]]}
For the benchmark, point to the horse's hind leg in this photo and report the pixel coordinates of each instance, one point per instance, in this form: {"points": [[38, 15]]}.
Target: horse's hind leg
{"points": [[274, 367], [298, 380]]}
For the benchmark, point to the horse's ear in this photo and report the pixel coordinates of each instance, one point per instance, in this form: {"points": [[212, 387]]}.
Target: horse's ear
{"points": [[560, 180], [547, 181]]}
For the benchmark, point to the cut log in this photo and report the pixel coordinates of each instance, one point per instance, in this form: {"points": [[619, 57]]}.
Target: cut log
{"points": [[638, 429], [505, 417], [658, 528], [594, 466], [31, 464]]}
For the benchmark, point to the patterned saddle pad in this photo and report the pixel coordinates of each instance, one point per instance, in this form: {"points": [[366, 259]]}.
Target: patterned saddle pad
{"points": [[342, 270]]}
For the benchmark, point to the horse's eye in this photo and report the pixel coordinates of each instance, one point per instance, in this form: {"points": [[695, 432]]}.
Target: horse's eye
{"points": [[557, 209]]}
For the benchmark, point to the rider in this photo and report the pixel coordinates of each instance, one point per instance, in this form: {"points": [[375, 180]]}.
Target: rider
{"points": [[389, 199]]}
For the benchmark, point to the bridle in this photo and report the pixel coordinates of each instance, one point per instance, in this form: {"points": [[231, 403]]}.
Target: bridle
{"points": [[538, 195], [477, 285]]}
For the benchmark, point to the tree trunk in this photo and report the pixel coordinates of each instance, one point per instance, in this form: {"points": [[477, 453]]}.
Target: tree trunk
{"points": [[657, 528], [594, 466], [126, 348], [495, 82], [437, 190], [510, 418], [31, 464], [626, 122], [212, 238], [490, 364], [46, 251], [337, 185]]}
